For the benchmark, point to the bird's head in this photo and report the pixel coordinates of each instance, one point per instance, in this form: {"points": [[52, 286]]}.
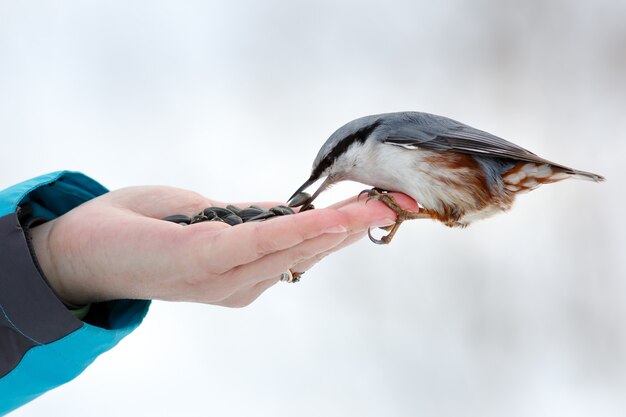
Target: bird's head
{"points": [[339, 155]]}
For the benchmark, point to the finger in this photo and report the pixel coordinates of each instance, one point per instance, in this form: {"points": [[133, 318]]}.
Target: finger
{"points": [[247, 242], [403, 200], [309, 263], [247, 295], [276, 263]]}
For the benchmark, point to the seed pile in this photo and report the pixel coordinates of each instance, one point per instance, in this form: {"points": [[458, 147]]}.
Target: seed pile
{"points": [[234, 215], [231, 215]]}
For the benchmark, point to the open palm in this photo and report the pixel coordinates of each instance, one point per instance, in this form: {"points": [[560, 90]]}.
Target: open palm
{"points": [[115, 246]]}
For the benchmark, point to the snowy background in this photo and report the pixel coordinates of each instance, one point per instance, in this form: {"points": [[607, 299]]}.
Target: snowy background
{"points": [[520, 315]]}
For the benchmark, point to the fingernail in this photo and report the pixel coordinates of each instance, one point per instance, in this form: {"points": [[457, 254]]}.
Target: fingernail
{"points": [[382, 222], [336, 229]]}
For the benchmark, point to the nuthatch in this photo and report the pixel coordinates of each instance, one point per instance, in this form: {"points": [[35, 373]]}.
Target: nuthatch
{"points": [[456, 173]]}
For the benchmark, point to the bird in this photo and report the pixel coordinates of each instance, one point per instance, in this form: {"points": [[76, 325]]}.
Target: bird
{"points": [[456, 173]]}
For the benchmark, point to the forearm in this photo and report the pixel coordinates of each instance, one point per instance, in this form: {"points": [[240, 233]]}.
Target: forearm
{"points": [[35, 325]]}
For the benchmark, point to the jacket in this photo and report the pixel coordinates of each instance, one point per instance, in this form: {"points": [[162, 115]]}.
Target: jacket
{"points": [[42, 344]]}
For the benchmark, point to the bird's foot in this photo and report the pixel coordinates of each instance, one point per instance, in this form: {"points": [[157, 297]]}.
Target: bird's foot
{"points": [[401, 214], [371, 192]]}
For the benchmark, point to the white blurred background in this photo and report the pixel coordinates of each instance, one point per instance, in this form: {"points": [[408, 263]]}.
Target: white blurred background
{"points": [[520, 315]]}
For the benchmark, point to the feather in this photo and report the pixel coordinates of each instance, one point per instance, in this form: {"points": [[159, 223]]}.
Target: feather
{"points": [[413, 130]]}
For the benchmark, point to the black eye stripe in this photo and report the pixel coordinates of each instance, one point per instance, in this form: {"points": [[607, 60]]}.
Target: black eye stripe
{"points": [[342, 146]]}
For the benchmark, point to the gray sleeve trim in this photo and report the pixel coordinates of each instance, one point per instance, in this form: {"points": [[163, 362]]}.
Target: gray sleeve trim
{"points": [[30, 313]]}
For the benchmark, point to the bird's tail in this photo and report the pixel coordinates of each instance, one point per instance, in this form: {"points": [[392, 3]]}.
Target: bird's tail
{"points": [[584, 175]]}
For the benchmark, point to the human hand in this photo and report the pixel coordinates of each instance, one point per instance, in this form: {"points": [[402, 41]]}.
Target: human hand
{"points": [[115, 247]]}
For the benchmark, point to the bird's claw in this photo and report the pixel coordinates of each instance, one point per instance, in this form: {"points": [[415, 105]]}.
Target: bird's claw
{"points": [[372, 193], [401, 215], [358, 198], [382, 241]]}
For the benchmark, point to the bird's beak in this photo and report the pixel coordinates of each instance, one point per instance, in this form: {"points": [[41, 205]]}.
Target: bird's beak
{"points": [[304, 186]]}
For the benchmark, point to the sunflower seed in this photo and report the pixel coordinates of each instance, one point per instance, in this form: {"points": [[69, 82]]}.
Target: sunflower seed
{"points": [[234, 209], [299, 199], [199, 218], [210, 214], [219, 211], [281, 210], [177, 218], [249, 213], [232, 219], [262, 216]]}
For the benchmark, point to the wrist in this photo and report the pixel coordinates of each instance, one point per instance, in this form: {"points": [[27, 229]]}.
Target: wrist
{"points": [[42, 252]]}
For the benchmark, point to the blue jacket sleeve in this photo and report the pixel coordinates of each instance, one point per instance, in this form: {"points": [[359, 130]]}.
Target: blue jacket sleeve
{"points": [[42, 345]]}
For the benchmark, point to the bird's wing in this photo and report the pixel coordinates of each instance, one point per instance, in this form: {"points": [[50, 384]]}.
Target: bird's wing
{"points": [[428, 131], [421, 130]]}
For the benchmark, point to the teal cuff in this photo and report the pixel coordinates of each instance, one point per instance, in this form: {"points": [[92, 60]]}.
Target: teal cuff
{"points": [[48, 365]]}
